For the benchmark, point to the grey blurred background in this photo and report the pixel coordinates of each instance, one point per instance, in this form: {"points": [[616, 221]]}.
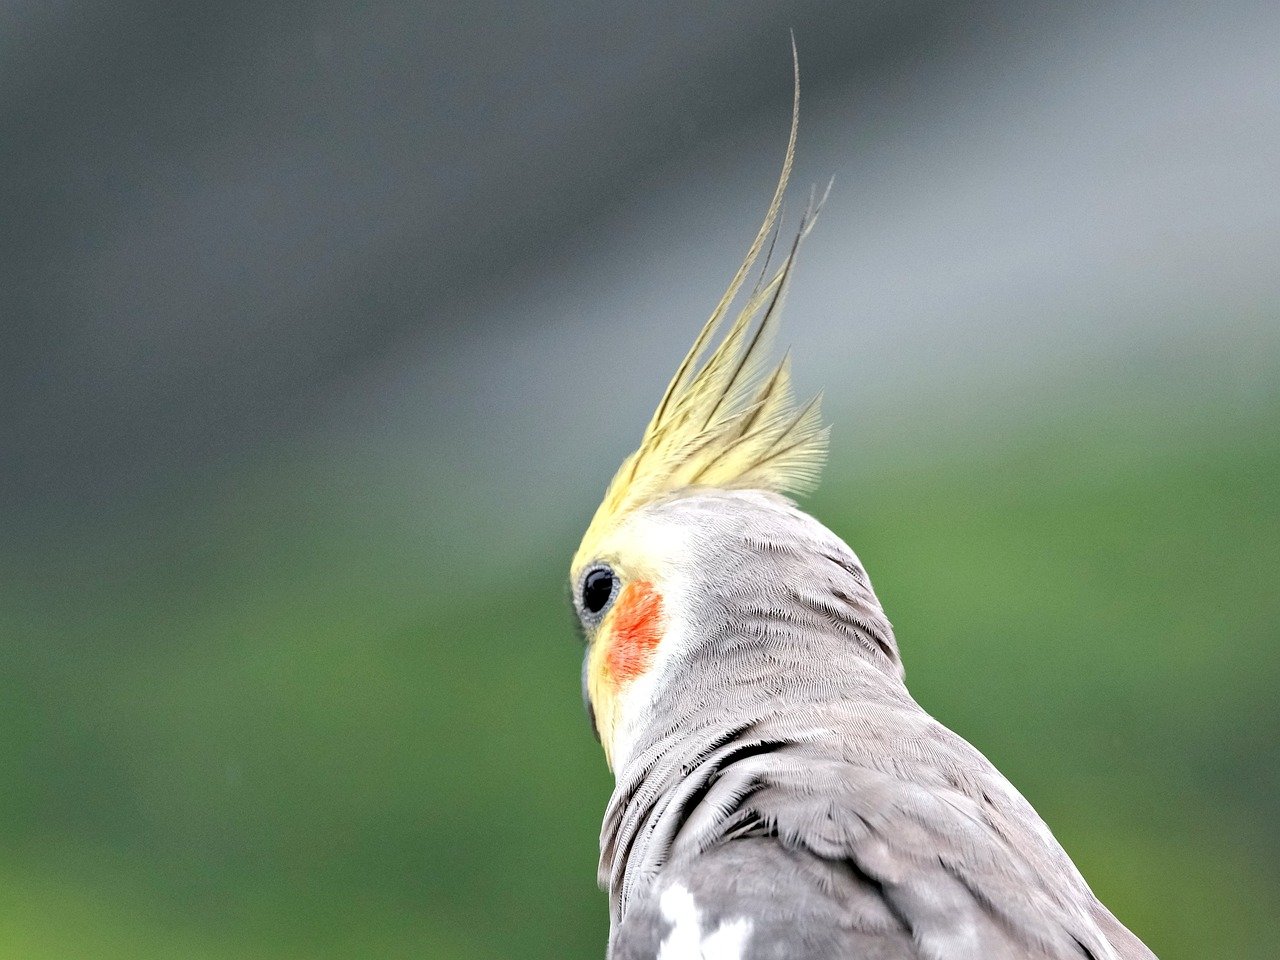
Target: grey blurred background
{"points": [[324, 326]]}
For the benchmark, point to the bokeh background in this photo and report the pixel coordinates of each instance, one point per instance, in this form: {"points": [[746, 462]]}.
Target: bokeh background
{"points": [[325, 324]]}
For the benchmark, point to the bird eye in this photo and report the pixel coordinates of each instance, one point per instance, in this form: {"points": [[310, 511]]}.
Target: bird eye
{"points": [[598, 588]]}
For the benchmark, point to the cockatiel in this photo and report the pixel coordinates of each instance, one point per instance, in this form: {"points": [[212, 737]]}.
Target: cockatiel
{"points": [[779, 793]]}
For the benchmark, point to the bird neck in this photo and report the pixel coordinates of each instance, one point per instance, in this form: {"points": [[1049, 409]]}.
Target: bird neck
{"points": [[779, 695]]}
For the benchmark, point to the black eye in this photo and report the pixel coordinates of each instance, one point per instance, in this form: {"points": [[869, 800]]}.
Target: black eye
{"points": [[597, 589]]}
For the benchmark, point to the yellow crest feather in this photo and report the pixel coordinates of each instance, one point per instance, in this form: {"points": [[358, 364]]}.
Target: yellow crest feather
{"points": [[725, 422]]}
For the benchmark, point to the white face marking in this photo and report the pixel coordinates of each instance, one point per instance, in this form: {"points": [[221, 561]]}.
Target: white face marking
{"points": [[665, 547], [686, 942]]}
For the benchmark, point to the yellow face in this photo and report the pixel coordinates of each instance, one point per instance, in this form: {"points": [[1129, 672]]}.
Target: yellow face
{"points": [[624, 622], [620, 600]]}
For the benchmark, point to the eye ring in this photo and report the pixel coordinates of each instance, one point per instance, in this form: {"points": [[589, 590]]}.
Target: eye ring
{"points": [[596, 591]]}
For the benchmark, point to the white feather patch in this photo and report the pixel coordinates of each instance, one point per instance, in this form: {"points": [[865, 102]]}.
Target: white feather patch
{"points": [[686, 940]]}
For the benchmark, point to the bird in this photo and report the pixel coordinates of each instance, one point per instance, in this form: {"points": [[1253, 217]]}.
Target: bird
{"points": [[779, 794]]}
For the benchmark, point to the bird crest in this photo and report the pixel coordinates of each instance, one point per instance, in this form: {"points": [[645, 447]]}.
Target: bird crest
{"points": [[728, 419]]}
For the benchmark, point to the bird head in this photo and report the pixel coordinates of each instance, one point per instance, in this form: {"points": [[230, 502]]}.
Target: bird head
{"points": [[686, 511]]}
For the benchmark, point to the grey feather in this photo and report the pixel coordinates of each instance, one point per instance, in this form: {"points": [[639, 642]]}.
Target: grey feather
{"points": [[786, 775]]}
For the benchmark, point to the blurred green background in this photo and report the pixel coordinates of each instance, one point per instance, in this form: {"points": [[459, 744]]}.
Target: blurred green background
{"points": [[324, 330]]}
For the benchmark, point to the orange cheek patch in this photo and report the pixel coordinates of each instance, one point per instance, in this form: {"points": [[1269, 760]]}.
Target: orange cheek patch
{"points": [[637, 626]]}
